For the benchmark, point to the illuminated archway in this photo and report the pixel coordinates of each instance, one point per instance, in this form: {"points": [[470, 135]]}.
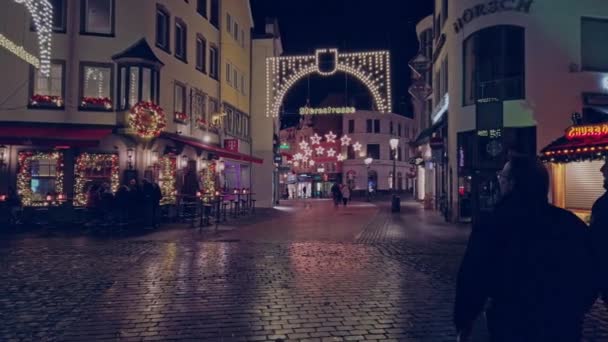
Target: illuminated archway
{"points": [[371, 68], [41, 12]]}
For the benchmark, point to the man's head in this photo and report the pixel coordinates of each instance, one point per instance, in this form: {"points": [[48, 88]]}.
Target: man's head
{"points": [[524, 176], [604, 171]]}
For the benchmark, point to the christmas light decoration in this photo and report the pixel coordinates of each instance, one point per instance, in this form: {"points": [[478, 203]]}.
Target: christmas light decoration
{"points": [[181, 117], [330, 137], [308, 152], [340, 157], [42, 18], [88, 161], [167, 177], [345, 140], [311, 163], [357, 146], [320, 150], [327, 110], [588, 131], [303, 145], [331, 152], [24, 176], [296, 163], [96, 102], [298, 156], [316, 139], [46, 100], [147, 119], [371, 68]]}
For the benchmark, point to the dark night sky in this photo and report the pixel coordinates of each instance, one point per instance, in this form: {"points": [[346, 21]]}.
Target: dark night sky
{"points": [[350, 25]]}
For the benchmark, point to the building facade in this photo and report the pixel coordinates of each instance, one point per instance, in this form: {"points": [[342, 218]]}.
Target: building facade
{"points": [[517, 71], [136, 89]]}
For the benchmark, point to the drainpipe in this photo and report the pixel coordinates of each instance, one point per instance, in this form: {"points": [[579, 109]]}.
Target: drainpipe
{"points": [[250, 107]]}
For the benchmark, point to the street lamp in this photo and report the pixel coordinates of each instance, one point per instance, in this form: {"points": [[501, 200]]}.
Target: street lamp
{"points": [[395, 204], [184, 161], [368, 162]]}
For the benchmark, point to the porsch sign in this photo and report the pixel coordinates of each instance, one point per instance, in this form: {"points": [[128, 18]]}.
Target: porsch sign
{"points": [[491, 7]]}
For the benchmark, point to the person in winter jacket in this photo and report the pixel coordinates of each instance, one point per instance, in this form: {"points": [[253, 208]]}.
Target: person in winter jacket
{"points": [[599, 233]]}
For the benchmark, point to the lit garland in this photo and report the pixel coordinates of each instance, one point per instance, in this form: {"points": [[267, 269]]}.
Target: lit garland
{"points": [[147, 119], [168, 174], [87, 161], [96, 102], [24, 176], [371, 68], [46, 100], [42, 17], [19, 51]]}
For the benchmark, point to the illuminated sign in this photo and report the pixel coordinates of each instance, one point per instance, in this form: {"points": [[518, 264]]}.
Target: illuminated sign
{"points": [[589, 131], [492, 133], [284, 146], [491, 7], [327, 110]]}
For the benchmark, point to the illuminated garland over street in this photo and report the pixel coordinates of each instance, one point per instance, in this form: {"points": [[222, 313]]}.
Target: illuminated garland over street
{"points": [[371, 68], [168, 174], [42, 17], [24, 176], [88, 161], [147, 120], [327, 110]]}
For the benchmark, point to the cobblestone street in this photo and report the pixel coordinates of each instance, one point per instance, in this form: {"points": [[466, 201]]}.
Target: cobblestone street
{"points": [[308, 272]]}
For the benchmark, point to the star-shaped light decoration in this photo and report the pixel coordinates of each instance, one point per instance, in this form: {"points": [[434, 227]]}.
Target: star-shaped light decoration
{"points": [[303, 145], [296, 163], [316, 139], [311, 163], [345, 140], [340, 157], [330, 137], [320, 150], [308, 152], [357, 146], [304, 159], [331, 152], [298, 156]]}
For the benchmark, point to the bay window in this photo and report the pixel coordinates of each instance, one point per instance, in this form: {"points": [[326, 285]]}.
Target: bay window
{"points": [[494, 64], [137, 82], [96, 86], [97, 17]]}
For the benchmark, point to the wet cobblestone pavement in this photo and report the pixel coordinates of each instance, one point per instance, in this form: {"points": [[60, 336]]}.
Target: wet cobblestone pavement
{"points": [[397, 286]]}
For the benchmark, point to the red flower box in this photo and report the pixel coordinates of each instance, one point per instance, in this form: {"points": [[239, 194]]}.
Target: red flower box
{"points": [[182, 117], [46, 101], [96, 102]]}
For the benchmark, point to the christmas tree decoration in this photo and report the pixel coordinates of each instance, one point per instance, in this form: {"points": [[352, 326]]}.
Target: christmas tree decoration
{"points": [[345, 140], [24, 177], [316, 139], [147, 120], [167, 177], [330, 137], [331, 152], [87, 161]]}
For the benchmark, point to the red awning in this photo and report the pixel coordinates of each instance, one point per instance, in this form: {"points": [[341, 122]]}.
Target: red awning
{"points": [[571, 147], [210, 148], [52, 135]]}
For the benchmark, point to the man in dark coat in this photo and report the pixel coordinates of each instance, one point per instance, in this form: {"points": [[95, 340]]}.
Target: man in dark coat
{"points": [[530, 261], [336, 194], [157, 195], [599, 233]]}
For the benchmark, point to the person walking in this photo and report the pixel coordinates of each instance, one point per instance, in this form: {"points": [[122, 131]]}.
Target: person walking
{"points": [[345, 194], [336, 194], [599, 236], [157, 195], [530, 261], [304, 192]]}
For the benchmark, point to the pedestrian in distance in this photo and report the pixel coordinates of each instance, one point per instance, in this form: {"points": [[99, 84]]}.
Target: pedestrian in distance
{"points": [[336, 194], [304, 192], [345, 194], [529, 261], [599, 234], [157, 195]]}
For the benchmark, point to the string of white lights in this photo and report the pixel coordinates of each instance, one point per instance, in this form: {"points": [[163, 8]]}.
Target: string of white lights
{"points": [[42, 16]]}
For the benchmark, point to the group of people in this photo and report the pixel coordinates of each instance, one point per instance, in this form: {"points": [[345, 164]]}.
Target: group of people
{"points": [[132, 203], [340, 193], [534, 269]]}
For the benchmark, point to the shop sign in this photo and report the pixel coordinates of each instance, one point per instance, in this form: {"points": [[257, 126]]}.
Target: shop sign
{"points": [[231, 145], [588, 131], [284, 146], [491, 7], [420, 90]]}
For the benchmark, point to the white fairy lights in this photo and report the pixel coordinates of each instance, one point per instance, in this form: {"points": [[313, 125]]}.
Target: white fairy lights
{"points": [[371, 68], [316, 139], [42, 17], [331, 137]]}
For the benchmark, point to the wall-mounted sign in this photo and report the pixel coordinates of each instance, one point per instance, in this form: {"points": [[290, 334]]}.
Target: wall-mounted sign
{"points": [[284, 146], [588, 131], [327, 110], [420, 90], [491, 7], [231, 145]]}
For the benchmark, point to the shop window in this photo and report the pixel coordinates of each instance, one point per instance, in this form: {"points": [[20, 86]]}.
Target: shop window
{"points": [[137, 83], [594, 44], [181, 34], [201, 7], [95, 174], [213, 62], [48, 91], [373, 151], [179, 103], [494, 64], [97, 17], [40, 177], [201, 54], [163, 31], [96, 86], [215, 13]]}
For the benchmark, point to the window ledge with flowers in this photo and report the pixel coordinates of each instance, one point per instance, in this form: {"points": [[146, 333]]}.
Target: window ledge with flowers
{"points": [[181, 117], [46, 102], [201, 123], [95, 103]]}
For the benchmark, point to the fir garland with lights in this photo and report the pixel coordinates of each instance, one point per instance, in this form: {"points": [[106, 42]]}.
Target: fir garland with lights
{"points": [[24, 176], [208, 176], [87, 161], [147, 119], [168, 174]]}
